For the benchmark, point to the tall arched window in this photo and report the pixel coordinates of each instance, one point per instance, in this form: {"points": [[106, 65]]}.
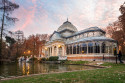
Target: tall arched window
{"points": [[70, 49], [97, 34], [84, 48], [90, 47], [67, 49], [74, 49], [103, 47], [60, 51], [85, 34], [90, 34], [110, 48], [97, 47], [78, 46], [55, 51], [80, 49]]}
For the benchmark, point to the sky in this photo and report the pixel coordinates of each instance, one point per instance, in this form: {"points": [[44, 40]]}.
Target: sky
{"points": [[45, 16]]}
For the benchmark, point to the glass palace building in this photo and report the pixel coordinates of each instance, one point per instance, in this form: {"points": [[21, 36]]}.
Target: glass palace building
{"points": [[87, 44]]}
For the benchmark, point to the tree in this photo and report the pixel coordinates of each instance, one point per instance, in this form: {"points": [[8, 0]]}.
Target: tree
{"points": [[10, 40], [116, 30], [33, 42], [122, 17], [6, 7]]}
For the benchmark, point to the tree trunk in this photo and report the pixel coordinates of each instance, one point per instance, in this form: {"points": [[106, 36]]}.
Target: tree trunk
{"points": [[2, 27]]}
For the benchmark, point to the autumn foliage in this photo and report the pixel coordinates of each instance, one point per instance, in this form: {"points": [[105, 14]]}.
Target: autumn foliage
{"points": [[116, 30]]}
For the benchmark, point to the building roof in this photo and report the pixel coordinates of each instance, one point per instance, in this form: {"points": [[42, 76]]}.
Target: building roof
{"points": [[67, 25], [101, 38], [55, 36], [91, 29]]}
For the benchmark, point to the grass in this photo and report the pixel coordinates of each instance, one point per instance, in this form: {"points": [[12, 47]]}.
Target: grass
{"points": [[76, 62], [114, 74]]}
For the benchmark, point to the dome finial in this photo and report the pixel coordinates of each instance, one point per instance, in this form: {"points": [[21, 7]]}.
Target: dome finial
{"points": [[67, 18]]}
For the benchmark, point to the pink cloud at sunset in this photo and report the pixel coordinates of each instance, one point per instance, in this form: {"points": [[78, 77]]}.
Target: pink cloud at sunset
{"points": [[45, 16]]}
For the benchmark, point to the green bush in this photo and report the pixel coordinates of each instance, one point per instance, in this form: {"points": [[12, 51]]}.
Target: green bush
{"points": [[53, 58], [35, 59], [43, 59]]}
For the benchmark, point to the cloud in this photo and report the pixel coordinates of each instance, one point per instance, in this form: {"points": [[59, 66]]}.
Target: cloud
{"points": [[45, 16]]}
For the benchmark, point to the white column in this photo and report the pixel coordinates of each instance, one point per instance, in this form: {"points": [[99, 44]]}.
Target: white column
{"points": [[69, 49], [76, 48], [48, 51], [79, 49], [57, 49], [62, 50], [52, 50], [93, 47], [87, 47]]}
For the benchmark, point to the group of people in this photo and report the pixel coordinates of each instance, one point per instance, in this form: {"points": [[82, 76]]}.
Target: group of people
{"points": [[119, 54]]}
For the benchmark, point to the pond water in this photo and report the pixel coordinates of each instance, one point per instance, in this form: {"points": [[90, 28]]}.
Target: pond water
{"points": [[20, 69]]}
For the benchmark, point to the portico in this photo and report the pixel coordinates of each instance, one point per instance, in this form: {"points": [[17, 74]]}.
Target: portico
{"points": [[55, 49]]}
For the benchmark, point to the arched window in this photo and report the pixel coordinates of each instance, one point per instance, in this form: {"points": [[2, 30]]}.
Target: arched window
{"points": [[90, 47], [97, 47], [96, 34], [85, 34], [110, 49], [74, 49], [67, 49], [103, 48], [90, 34], [70, 49], [60, 51], [78, 46], [84, 48]]}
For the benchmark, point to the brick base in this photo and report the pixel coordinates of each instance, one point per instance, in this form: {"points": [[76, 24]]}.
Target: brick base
{"points": [[91, 58]]}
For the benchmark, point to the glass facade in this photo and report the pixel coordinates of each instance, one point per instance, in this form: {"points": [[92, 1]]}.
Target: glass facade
{"points": [[97, 48], [90, 47], [84, 48], [93, 47], [103, 48], [74, 49]]}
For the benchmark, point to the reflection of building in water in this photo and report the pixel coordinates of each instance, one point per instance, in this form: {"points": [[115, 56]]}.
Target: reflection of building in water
{"points": [[62, 68], [42, 68], [24, 68], [87, 44], [27, 68]]}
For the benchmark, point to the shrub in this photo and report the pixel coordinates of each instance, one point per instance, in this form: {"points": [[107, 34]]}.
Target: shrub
{"points": [[43, 59], [35, 59], [53, 58]]}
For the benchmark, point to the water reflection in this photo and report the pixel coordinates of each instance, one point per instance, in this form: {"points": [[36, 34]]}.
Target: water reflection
{"points": [[24, 68]]}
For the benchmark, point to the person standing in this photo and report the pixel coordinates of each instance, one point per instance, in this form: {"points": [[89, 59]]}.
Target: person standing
{"points": [[120, 55]]}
